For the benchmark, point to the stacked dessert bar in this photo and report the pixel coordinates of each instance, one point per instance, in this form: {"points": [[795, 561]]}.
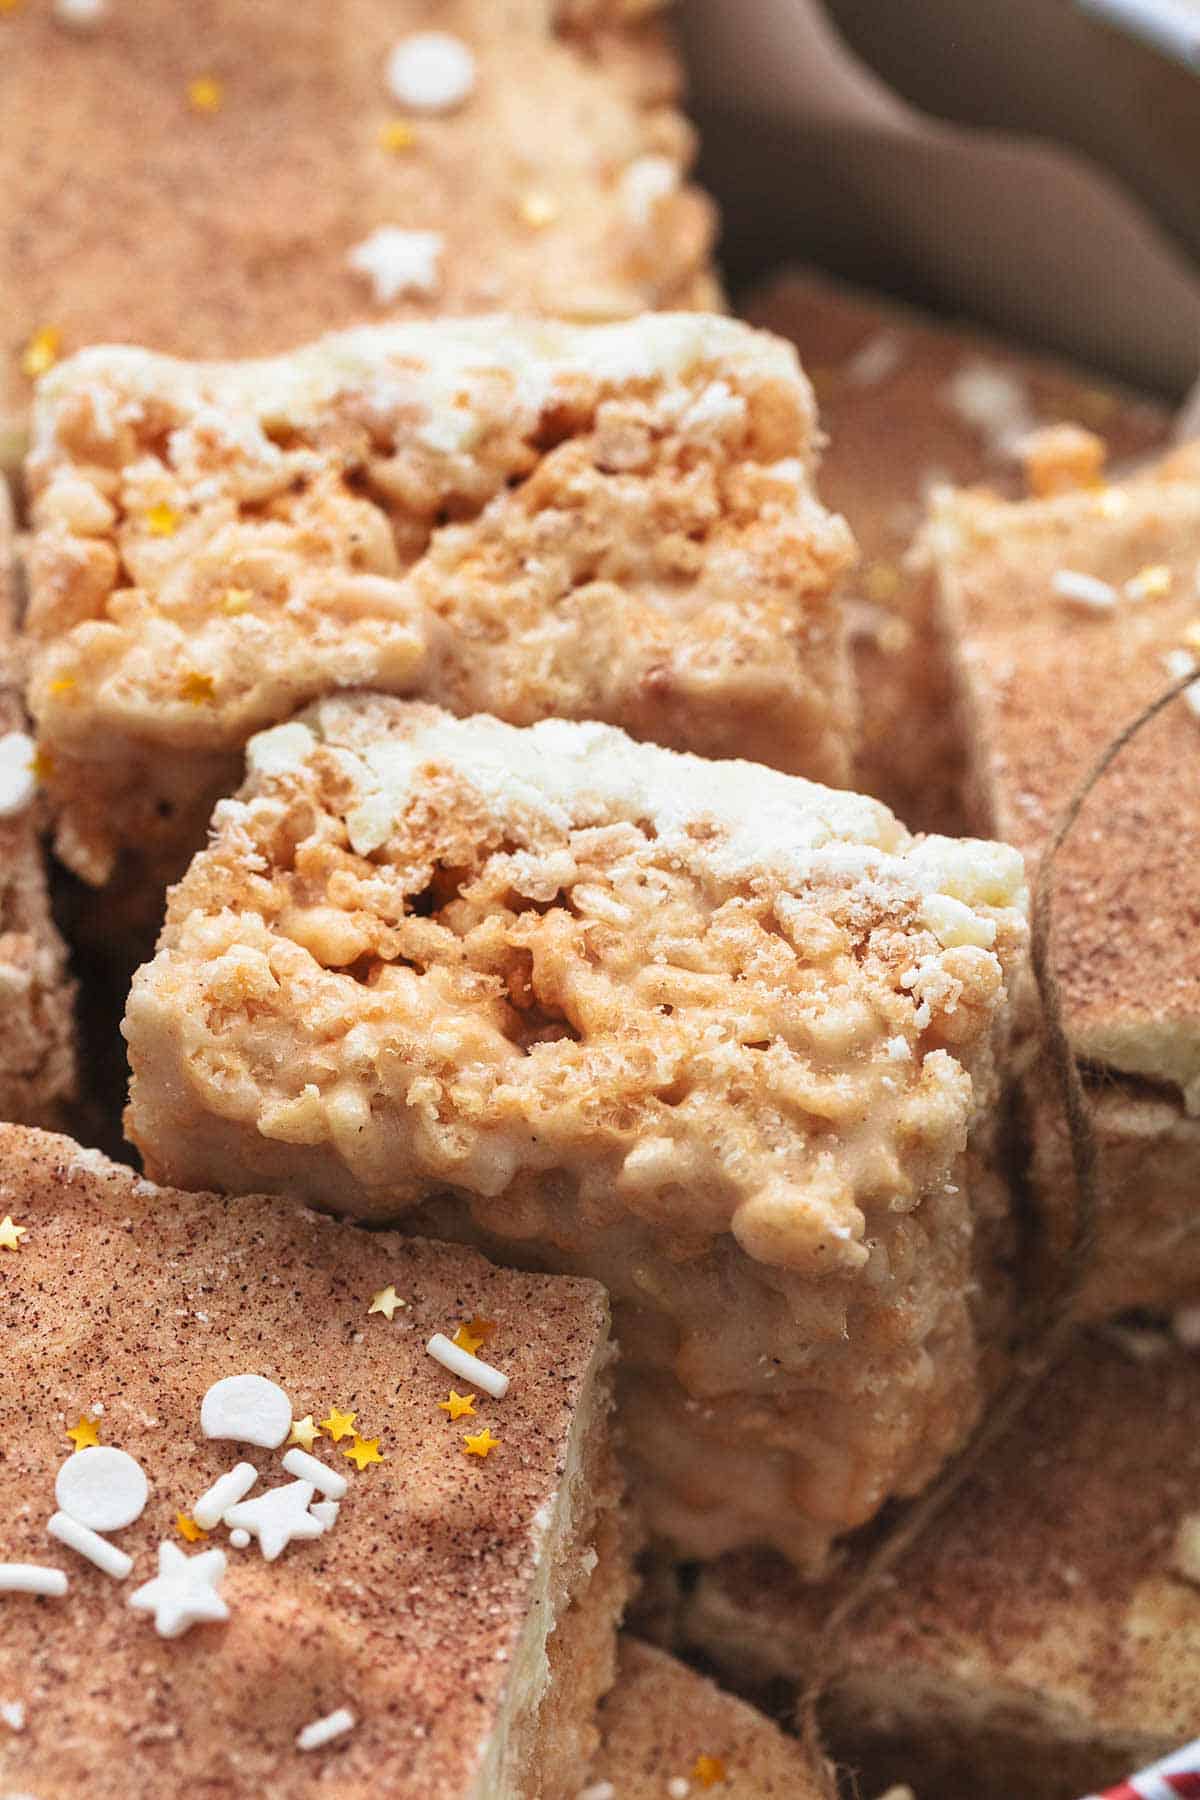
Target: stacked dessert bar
{"points": [[584, 1070]]}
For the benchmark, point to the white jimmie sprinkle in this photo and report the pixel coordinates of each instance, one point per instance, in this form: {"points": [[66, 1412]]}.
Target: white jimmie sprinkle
{"points": [[311, 1468], [323, 1731], [225, 1492], [32, 1578], [431, 71], [462, 1363], [97, 1549], [1087, 591]]}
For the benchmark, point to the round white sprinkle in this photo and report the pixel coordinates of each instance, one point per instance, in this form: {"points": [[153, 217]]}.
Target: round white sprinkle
{"points": [[225, 1492], [82, 14], [398, 262], [467, 1367], [240, 1539], [18, 784], [431, 72], [323, 1731], [97, 1549], [102, 1487], [31, 1578], [679, 1787], [310, 1468], [248, 1408]]}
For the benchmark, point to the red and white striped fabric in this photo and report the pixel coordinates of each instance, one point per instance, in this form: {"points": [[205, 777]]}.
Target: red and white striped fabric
{"points": [[1176, 1777]]}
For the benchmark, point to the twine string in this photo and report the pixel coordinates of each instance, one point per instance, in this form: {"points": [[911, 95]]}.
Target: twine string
{"points": [[1054, 1321]]}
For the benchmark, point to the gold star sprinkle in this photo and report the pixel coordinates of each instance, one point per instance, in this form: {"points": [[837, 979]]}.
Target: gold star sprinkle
{"points": [[10, 6], [11, 1234], [363, 1451], [197, 689], [41, 352], [304, 1432], [397, 135], [385, 1301], [708, 1771], [162, 520], [469, 1337], [235, 600], [65, 684], [188, 1528], [339, 1424], [1151, 583], [205, 94], [458, 1406], [537, 209], [482, 1443], [84, 1436]]}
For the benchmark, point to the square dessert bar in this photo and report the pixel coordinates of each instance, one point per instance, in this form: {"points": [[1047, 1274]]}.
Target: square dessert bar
{"points": [[1065, 615], [1043, 1638], [666, 1731], [910, 402], [614, 522], [37, 1025], [298, 169], [709, 1032], [398, 1583]]}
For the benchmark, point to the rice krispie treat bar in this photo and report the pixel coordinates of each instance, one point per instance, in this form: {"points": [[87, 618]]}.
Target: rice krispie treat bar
{"points": [[1043, 1639], [910, 403], [37, 1028], [1066, 614], [614, 522], [222, 1423], [712, 1033], [295, 169], [667, 1731]]}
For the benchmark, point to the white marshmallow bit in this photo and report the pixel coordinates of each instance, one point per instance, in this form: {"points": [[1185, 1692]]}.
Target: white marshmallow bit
{"points": [[398, 262], [102, 1487], [225, 1492], [32, 1578], [467, 1367], [323, 1731], [431, 72], [247, 1408], [1086, 591], [310, 1468], [18, 783], [90, 1544]]}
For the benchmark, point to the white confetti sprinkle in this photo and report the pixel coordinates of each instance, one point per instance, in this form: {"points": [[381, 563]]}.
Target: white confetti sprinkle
{"points": [[310, 1468], [431, 71], [468, 1367], [102, 1487], [90, 1544], [398, 262], [248, 1408], [18, 783]]}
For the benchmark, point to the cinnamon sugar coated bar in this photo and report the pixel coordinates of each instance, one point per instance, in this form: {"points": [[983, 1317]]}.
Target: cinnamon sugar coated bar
{"points": [[615, 522], [459, 1609], [908, 403], [290, 173], [1043, 1640], [661, 1720], [709, 1032], [1045, 684], [37, 1026]]}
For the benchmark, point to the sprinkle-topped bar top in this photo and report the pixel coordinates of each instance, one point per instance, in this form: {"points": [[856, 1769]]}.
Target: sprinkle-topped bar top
{"points": [[667, 1731], [37, 1030], [295, 169], [1067, 614], [908, 402], [522, 518], [362, 1564]]}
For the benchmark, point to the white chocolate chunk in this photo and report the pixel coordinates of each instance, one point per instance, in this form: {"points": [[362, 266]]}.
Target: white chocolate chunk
{"points": [[247, 1408]]}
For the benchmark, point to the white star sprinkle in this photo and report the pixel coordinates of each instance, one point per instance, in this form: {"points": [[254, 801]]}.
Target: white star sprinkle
{"points": [[184, 1592], [276, 1517]]}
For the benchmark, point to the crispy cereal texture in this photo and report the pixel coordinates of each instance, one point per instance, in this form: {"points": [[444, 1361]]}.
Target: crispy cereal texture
{"points": [[713, 1033], [661, 1720], [556, 186], [1043, 1638], [615, 522], [37, 1022], [908, 403], [456, 1606]]}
